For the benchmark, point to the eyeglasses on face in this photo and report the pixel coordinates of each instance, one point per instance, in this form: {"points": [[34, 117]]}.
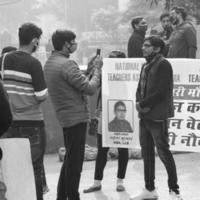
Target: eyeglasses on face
{"points": [[121, 110]]}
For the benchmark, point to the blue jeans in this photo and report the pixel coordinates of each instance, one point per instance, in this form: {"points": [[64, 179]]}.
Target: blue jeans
{"points": [[36, 135], [155, 133]]}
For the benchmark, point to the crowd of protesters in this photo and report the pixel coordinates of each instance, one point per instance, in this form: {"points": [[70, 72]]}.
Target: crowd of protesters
{"points": [[24, 85]]}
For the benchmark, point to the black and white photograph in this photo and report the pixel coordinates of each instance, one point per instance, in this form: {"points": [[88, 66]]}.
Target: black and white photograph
{"points": [[99, 99], [120, 114]]}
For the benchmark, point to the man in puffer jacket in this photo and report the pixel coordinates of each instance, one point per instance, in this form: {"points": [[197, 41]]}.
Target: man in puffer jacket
{"points": [[68, 89]]}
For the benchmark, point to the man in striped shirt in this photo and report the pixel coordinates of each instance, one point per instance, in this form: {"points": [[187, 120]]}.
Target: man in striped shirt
{"points": [[24, 81]]}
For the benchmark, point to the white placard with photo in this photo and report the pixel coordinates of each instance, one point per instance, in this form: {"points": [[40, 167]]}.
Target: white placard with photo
{"points": [[119, 83]]}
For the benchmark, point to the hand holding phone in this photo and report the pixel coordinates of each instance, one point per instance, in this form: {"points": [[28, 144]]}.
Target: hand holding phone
{"points": [[98, 62], [95, 62]]}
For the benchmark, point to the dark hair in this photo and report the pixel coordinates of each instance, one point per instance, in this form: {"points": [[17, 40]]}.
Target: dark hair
{"points": [[117, 54], [163, 15], [156, 41], [180, 10], [119, 103], [135, 21], [8, 49], [59, 37], [27, 32]]}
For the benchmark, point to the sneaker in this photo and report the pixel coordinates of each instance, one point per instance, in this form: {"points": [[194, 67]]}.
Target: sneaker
{"points": [[120, 188], [174, 196], [92, 189], [146, 195]]}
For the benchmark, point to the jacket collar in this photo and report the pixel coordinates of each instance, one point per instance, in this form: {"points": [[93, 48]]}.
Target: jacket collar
{"points": [[140, 33], [154, 59], [61, 53], [118, 120]]}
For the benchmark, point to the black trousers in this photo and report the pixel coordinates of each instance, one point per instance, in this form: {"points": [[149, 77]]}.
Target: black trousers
{"points": [[155, 133], [68, 184], [102, 159]]}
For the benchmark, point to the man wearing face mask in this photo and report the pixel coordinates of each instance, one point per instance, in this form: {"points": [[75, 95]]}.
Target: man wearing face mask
{"points": [[24, 81], [68, 88], [154, 103], [136, 40], [183, 40]]}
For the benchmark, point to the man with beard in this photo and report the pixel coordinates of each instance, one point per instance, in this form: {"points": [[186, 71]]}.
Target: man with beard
{"points": [[136, 40], [154, 103], [24, 81], [183, 40]]}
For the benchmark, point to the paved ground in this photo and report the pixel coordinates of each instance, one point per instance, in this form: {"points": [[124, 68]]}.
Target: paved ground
{"points": [[188, 166]]}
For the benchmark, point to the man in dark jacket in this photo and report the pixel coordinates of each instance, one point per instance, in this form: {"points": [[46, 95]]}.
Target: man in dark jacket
{"points": [[136, 40], [68, 88], [154, 103], [183, 40], [5, 122], [6, 115]]}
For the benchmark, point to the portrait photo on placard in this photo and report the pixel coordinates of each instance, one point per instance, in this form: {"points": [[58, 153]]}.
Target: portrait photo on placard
{"points": [[120, 116]]}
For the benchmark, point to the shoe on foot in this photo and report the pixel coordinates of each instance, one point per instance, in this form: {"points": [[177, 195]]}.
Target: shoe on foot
{"points": [[120, 188], [146, 194], [174, 196], [92, 189]]}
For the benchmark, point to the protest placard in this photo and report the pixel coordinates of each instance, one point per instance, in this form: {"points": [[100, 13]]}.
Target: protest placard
{"points": [[17, 169], [119, 83]]}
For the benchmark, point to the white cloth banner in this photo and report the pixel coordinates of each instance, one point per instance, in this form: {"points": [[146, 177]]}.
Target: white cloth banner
{"points": [[17, 169], [119, 83]]}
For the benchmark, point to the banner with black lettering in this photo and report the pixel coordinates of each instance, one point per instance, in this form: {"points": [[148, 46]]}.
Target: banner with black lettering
{"points": [[120, 122]]}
